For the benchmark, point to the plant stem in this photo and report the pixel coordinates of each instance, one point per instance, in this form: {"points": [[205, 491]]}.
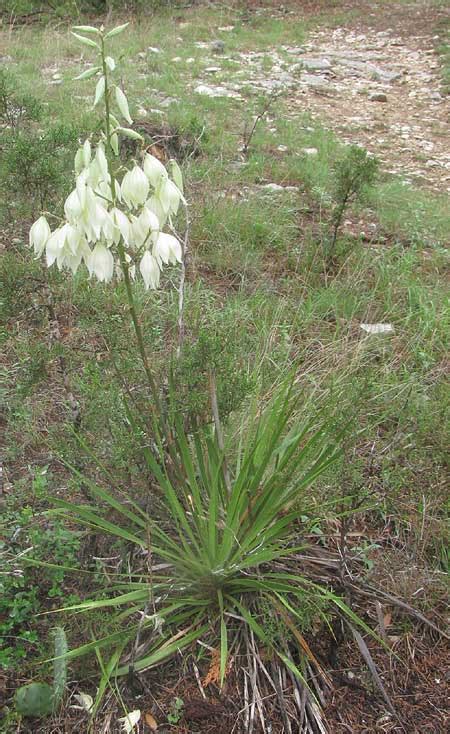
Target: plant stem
{"points": [[120, 248]]}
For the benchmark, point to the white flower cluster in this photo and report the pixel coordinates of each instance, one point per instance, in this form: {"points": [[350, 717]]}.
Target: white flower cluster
{"points": [[111, 223], [97, 219]]}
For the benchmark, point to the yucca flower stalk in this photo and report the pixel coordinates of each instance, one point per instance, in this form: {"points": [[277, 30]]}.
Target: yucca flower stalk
{"points": [[115, 216]]}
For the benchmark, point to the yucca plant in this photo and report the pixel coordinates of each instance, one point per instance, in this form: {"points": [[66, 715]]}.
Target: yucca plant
{"points": [[225, 555]]}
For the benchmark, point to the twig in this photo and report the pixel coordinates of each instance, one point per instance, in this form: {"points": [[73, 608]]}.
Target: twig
{"points": [[184, 251], [258, 118], [199, 682]]}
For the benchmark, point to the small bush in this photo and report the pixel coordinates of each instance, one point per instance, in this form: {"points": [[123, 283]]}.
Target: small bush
{"points": [[37, 164]]}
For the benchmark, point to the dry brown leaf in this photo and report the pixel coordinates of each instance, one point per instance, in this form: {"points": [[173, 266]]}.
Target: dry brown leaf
{"points": [[150, 721], [158, 151], [213, 673]]}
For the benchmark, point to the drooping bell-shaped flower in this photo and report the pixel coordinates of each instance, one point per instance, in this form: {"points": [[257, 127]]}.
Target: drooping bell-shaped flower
{"points": [[72, 207], [154, 205], [149, 270], [154, 170], [169, 196], [54, 245], [146, 224], [101, 263], [167, 249], [39, 234], [135, 187], [121, 224]]}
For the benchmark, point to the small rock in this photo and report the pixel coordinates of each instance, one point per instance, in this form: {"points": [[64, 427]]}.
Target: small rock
{"points": [[57, 76], [217, 47], [386, 76], [273, 187], [142, 55], [154, 50], [190, 60], [295, 50], [316, 64], [226, 28], [277, 188], [377, 328], [208, 91], [176, 59], [16, 241], [168, 101], [282, 148], [212, 69], [377, 97], [142, 112], [309, 151], [318, 83]]}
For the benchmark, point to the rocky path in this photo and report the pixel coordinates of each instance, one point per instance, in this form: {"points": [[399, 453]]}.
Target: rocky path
{"points": [[382, 91], [378, 88]]}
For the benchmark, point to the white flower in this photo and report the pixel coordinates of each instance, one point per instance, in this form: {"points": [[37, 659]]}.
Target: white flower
{"points": [[146, 223], [72, 206], [154, 170], [109, 229], [67, 246], [167, 249], [39, 234], [149, 270], [169, 196], [101, 263], [154, 205], [54, 245], [129, 721], [135, 187], [122, 225]]}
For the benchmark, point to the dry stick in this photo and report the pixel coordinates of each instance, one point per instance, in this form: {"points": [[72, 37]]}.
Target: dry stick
{"points": [[246, 709], [259, 116], [281, 702], [184, 250], [257, 693], [199, 682]]}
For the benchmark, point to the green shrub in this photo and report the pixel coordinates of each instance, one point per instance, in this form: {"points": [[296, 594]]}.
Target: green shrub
{"points": [[36, 164]]}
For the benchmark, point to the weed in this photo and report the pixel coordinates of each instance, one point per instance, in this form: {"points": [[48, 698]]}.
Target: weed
{"points": [[353, 173], [176, 711]]}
